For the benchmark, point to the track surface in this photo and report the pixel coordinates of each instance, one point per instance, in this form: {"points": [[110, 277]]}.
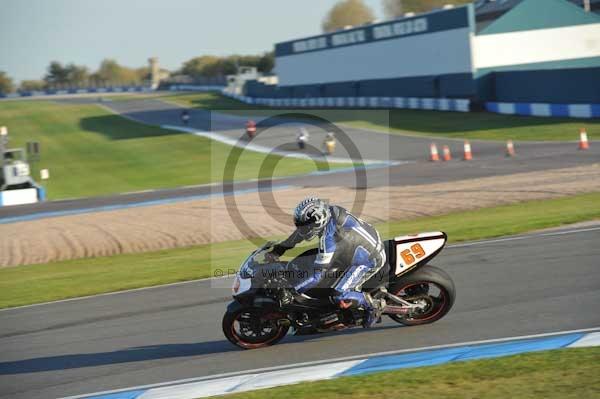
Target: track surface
{"points": [[541, 283], [489, 159]]}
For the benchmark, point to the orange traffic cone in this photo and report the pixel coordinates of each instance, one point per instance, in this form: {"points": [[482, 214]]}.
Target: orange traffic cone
{"points": [[468, 155], [510, 149], [434, 156], [583, 140], [446, 153]]}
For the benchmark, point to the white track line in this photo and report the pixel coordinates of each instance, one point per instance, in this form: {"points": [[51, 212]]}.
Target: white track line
{"points": [[271, 151], [340, 359], [518, 238], [116, 293], [469, 244]]}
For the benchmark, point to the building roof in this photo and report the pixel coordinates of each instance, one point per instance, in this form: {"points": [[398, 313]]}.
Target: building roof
{"points": [[492, 9], [540, 14]]}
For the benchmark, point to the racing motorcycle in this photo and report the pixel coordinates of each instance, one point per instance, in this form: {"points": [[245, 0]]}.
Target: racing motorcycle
{"points": [[265, 305]]}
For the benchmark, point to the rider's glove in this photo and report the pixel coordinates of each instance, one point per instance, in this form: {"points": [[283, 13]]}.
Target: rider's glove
{"points": [[271, 257]]}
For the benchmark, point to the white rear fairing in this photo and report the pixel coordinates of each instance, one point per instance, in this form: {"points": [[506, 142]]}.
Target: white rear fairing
{"points": [[413, 250]]}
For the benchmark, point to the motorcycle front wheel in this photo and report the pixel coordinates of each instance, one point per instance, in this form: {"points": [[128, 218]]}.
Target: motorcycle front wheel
{"points": [[254, 327]]}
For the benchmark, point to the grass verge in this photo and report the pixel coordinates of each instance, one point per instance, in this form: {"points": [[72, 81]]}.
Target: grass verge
{"points": [[91, 151], [472, 125], [560, 374], [25, 285]]}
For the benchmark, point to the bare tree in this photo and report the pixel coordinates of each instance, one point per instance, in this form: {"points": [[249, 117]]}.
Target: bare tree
{"points": [[32, 85], [347, 12], [396, 8], [6, 83], [393, 8]]}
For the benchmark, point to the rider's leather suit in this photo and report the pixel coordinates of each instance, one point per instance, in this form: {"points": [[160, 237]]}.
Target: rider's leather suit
{"points": [[348, 245]]}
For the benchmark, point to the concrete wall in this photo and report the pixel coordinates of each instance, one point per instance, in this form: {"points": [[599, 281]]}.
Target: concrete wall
{"points": [[434, 54], [556, 65], [495, 51], [18, 197]]}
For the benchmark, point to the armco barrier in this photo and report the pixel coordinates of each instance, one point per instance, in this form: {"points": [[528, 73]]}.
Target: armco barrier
{"points": [[189, 87], [293, 374], [439, 104], [545, 109], [120, 89]]}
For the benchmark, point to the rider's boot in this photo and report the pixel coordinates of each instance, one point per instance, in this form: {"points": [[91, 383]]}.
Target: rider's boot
{"points": [[373, 310], [373, 307]]}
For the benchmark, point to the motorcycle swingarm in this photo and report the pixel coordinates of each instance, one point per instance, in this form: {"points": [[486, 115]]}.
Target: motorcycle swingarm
{"points": [[392, 308]]}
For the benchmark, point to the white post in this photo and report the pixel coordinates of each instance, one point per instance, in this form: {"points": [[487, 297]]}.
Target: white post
{"points": [[44, 174], [3, 142], [586, 5]]}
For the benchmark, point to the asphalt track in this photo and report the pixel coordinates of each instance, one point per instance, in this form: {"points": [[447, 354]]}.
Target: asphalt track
{"points": [[489, 159], [507, 287]]}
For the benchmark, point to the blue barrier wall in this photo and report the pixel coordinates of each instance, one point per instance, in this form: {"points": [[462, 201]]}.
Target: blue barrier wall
{"points": [[459, 85], [561, 86], [581, 85]]}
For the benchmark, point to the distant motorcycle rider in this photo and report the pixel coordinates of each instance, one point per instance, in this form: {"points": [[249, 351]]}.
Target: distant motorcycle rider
{"points": [[346, 243], [302, 138], [185, 117]]}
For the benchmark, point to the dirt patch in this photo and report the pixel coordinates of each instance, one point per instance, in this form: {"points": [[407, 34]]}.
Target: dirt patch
{"points": [[200, 222]]}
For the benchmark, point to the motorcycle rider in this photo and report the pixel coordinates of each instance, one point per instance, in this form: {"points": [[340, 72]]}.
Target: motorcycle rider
{"points": [[185, 117], [302, 138], [346, 242]]}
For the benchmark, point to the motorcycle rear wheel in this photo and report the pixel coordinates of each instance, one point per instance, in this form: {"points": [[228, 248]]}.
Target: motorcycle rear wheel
{"points": [[429, 285], [253, 327]]}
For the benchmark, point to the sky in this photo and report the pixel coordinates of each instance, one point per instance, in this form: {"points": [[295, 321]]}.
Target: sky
{"points": [[35, 32]]}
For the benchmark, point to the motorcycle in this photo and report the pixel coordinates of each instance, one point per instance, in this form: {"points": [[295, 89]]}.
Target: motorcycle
{"points": [[265, 305]]}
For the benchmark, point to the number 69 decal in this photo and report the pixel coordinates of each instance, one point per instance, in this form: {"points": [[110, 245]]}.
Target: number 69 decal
{"points": [[410, 256]]}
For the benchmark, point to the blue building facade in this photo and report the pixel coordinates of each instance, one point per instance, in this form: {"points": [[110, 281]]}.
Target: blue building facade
{"points": [[538, 51]]}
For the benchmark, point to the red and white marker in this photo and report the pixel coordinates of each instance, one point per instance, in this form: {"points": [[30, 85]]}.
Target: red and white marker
{"points": [[446, 156], [467, 148], [433, 151], [583, 140], [510, 149]]}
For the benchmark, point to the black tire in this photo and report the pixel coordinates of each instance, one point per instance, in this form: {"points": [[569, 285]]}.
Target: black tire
{"points": [[422, 280], [243, 342]]}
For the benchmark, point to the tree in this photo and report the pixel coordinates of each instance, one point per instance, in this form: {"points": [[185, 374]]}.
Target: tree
{"points": [[266, 62], [209, 66], [142, 73], [32, 85], [71, 75], [6, 83], [57, 74], [395, 8], [195, 66], [77, 75], [110, 72], [221, 67], [347, 12]]}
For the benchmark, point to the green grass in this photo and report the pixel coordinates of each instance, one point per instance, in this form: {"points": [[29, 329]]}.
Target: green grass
{"points": [[81, 277], [211, 101], [91, 151], [560, 374], [67, 279], [472, 125], [504, 220]]}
